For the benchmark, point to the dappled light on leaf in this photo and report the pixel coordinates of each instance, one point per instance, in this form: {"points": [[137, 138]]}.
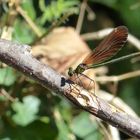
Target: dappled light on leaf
{"points": [[26, 112]]}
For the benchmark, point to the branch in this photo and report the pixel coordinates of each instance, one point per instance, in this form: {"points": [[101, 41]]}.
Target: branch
{"points": [[19, 57], [29, 21], [118, 78], [81, 16]]}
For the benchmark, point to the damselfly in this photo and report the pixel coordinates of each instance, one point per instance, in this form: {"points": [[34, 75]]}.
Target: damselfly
{"points": [[101, 54]]}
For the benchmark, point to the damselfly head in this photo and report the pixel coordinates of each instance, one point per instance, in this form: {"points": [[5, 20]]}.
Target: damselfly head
{"points": [[71, 72]]}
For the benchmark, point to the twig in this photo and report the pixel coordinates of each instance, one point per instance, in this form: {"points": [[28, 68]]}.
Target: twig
{"points": [[29, 21], [91, 14], [81, 16], [102, 33], [19, 57], [10, 98], [114, 133], [118, 77], [96, 35], [134, 41]]}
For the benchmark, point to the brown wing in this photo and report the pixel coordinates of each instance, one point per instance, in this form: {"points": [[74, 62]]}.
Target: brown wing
{"points": [[108, 47]]}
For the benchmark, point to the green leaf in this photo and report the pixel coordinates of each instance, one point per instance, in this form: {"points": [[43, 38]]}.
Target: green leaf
{"points": [[61, 6], [26, 111], [44, 119], [83, 127], [27, 5], [65, 110], [2, 98], [7, 76], [63, 129], [22, 33]]}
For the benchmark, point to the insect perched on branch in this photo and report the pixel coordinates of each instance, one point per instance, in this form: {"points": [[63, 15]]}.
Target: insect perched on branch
{"points": [[103, 52]]}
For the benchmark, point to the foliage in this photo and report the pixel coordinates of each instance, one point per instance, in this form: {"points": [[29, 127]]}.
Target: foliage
{"points": [[38, 114], [7, 76], [126, 9], [22, 34], [83, 121], [56, 9], [26, 111]]}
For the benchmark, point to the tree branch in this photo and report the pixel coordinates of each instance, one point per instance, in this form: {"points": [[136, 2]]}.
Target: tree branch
{"points": [[19, 57]]}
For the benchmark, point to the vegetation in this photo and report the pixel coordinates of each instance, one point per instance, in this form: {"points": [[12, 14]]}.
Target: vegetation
{"points": [[29, 111]]}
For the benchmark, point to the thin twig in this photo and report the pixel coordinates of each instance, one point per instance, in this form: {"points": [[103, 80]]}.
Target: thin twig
{"points": [[29, 21], [134, 41], [81, 16], [10, 98], [118, 77], [96, 35], [19, 57], [114, 133], [91, 14]]}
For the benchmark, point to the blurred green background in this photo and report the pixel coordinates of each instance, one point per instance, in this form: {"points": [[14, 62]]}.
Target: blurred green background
{"points": [[32, 112]]}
